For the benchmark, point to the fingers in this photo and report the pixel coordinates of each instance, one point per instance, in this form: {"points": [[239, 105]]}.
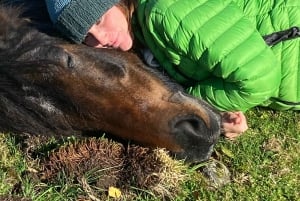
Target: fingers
{"points": [[232, 136], [234, 124]]}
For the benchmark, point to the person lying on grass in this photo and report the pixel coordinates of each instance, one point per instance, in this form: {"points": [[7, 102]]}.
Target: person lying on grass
{"points": [[214, 48]]}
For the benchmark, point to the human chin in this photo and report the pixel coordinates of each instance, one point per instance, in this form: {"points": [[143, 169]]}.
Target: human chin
{"points": [[126, 44]]}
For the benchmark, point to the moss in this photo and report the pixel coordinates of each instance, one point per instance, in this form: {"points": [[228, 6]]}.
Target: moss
{"points": [[98, 164]]}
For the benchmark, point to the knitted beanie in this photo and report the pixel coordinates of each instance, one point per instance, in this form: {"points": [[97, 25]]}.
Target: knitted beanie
{"points": [[73, 18]]}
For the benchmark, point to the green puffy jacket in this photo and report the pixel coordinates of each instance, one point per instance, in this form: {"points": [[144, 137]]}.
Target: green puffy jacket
{"points": [[215, 48]]}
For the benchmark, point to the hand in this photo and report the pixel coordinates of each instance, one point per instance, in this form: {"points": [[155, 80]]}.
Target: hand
{"points": [[234, 124]]}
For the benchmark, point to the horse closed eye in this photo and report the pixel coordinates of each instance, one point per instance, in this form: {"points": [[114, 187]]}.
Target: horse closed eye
{"points": [[58, 54], [68, 60]]}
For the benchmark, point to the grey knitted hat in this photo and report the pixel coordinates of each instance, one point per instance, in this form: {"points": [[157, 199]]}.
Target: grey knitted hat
{"points": [[78, 16]]}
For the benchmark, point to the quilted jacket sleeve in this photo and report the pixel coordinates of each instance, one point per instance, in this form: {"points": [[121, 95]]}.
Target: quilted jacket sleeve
{"points": [[211, 46], [271, 16]]}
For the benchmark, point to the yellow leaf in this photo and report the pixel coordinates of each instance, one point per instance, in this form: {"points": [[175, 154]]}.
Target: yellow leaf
{"points": [[114, 192]]}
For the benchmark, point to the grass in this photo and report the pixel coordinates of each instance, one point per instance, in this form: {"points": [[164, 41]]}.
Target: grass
{"points": [[264, 164]]}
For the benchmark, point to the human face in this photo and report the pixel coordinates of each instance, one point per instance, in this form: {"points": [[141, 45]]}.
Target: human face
{"points": [[110, 31]]}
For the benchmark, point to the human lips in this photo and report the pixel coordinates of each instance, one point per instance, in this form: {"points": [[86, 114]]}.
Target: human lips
{"points": [[121, 41], [116, 42]]}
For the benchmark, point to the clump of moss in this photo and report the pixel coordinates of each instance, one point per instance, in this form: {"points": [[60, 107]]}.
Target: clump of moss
{"points": [[154, 170], [87, 158], [97, 164]]}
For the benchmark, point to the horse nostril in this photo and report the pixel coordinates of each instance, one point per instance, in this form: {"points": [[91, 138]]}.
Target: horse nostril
{"points": [[196, 136], [191, 125]]}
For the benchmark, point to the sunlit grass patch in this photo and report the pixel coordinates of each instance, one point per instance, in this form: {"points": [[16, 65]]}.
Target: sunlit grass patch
{"points": [[264, 164], [12, 164]]}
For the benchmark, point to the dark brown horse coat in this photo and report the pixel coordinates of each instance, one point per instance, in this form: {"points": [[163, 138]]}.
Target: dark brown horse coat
{"points": [[51, 87]]}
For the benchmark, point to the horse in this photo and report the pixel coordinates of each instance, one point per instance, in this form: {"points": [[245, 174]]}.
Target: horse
{"points": [[49, 86]]}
